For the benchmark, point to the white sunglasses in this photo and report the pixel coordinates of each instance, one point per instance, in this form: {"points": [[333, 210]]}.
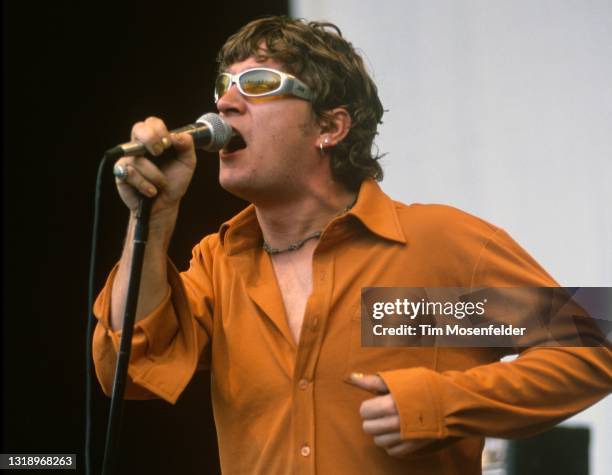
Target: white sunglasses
{"points": [[261, 82]]}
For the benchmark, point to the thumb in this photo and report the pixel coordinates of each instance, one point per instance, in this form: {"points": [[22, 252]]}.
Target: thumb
{"points": [[370, 382], [183, 145]]}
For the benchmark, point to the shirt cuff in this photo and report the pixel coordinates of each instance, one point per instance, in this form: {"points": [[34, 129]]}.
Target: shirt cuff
{"points": [[415, 396], [161, 361], [158, 329]]}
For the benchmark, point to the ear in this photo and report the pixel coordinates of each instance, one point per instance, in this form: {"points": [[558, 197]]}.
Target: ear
{"points": [[335, 125]]}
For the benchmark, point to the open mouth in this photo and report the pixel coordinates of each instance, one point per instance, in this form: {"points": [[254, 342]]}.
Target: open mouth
{"points": [[235, 143]]}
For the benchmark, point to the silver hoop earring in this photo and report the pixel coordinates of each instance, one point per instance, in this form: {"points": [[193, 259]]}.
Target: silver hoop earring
{"points": [[325, 141]]}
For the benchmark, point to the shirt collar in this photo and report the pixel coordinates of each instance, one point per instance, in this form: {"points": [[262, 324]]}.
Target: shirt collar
{"points": [[241, 232], [374, 209], [377, 212]]}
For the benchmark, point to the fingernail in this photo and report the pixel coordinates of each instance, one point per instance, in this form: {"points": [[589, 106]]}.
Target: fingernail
{"points": [[158, 149], [151, 191], [178, 139], [356, 375]]}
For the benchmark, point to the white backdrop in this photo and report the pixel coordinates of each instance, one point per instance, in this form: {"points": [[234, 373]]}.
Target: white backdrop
{"points": [[502, 108]]}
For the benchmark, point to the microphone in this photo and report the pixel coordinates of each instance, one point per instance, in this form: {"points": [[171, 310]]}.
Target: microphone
{"points": [[210, 132]]}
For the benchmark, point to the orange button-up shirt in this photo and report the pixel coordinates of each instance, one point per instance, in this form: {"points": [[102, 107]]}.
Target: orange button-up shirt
{"points": [[283, 408]]}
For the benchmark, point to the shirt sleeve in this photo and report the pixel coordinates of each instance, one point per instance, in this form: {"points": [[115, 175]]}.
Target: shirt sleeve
{"points": [[540, 388], [169, 343]]}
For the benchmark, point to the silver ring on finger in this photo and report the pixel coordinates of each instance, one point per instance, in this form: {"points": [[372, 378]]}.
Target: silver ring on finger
{"points": [[120, 172]]}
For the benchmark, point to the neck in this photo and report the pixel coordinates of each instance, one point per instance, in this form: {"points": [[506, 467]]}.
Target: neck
{"points": [[287, 221]]}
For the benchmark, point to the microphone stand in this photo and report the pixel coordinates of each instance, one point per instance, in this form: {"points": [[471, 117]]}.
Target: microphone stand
{"points": [[141, 233], [211, 133]]}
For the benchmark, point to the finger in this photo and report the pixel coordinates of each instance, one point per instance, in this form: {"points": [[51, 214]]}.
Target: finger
{"points": [[150, 171], [376, 407], [136, 180], [146, 168], [184, 147], [407, 447], [382, 425], [370, 382], [182, 142], [161, 130], [151, 133], [388, 440]]}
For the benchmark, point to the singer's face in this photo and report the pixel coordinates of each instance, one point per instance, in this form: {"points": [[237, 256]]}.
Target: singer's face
{"points": [[280, 134]]}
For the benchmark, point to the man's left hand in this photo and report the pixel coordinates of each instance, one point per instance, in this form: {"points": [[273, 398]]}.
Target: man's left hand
{"points": [[381, 418]]}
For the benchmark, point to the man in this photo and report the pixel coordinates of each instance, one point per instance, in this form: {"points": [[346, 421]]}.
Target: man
{"points": [[271, 303]]}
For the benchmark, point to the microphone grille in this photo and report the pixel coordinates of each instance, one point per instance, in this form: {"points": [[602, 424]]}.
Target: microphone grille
{"points": [[220, 131]]}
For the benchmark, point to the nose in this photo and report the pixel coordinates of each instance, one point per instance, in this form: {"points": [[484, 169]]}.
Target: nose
{"points": [[231, 101]]}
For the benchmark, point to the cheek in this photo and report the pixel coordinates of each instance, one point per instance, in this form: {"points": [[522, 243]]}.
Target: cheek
{"points": [[288, 138], [287, 122]]}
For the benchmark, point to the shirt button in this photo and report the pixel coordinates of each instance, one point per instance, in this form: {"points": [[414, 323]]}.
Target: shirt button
{"points": [[315, 323], [303, 384], [305, 451]]}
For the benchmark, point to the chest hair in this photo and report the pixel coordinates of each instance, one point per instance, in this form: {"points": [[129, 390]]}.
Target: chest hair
{"points": [[294, 276]]}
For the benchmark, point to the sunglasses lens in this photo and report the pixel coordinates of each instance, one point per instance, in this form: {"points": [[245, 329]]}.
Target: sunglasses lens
{"points": [[222, 84], [258, 82]]}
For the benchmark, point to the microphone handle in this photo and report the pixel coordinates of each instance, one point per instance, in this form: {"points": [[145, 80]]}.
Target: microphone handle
{"points": [[199, 131]]}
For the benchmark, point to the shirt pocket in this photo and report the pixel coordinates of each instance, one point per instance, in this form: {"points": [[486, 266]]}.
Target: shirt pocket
{"points": [[373, 359]]}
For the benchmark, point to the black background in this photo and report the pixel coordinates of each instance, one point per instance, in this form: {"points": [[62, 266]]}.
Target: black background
{"points": [[76, 76]]}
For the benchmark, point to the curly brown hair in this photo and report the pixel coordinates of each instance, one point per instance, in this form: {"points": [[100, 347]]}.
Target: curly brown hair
{"points": [[316, 53]]}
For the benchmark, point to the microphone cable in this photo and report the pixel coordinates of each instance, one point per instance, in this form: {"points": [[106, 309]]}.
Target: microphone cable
{"points": [[91, 318]]}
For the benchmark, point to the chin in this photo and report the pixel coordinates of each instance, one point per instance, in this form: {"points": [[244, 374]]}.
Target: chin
{"points": [[242, 187], [251, 188]]}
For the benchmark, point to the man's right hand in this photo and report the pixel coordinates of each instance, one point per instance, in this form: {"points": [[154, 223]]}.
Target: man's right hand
{"points": [[169, 182]]}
